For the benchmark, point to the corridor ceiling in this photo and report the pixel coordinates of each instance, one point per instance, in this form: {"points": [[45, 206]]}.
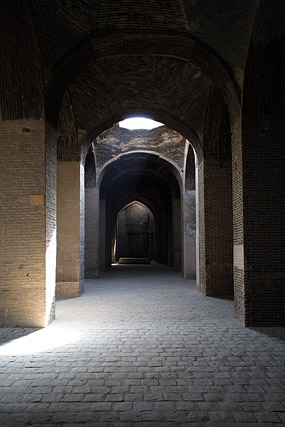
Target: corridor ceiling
{"points": [[156, 56], [141, 176], [162, 58]]}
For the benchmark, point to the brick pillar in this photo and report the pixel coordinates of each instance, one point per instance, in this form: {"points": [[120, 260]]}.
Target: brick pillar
{"points": [[259, 222], [258, 166], [102, 235], [215, 228], [91, 217], [91, 232], [189, 216], [161, 238], [108, 238], [27, 223], [176, 233], [70, 229], [189, 213], [238, 223]]}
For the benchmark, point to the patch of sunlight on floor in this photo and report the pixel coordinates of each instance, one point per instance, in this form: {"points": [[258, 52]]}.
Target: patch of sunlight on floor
{"points": [[40, 341], [139, 123]]}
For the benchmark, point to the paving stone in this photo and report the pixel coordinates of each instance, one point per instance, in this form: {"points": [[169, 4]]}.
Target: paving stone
{"points": [[221, 416], [243, 417], [270, 417], [122, 406], [152, 352], [208, 406]]}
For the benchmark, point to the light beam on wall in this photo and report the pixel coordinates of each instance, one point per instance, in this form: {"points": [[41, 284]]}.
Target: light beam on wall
{"points": [[139, 123]]}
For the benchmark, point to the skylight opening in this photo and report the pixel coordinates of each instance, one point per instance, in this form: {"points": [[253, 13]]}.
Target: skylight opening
{"points": [[139, 123]]}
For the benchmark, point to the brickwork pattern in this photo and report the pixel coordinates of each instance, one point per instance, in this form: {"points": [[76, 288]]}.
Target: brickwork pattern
{"points": [[81, 227], [69, 225], [105, 89], [264, 222], [74, 22], [225, 26], [260, 277], [91, 233], [215, 228], [238, 235], [68, 148], [202, 233], [55, 54], [51, 235], [143, 348], [189, 215], [177, 234], [24, 221], [189, 231], [21, 92], [218, 228]]}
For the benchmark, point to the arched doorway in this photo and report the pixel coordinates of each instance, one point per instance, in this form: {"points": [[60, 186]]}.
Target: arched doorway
{"points": [[134, 235]]}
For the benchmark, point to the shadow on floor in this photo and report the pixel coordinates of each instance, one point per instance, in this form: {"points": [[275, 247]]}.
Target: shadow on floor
{"points": [[273, 332]]}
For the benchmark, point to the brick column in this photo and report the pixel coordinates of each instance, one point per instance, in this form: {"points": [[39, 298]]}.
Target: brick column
{"points": [[259, 221], [27, 223], [189, 213], [176, 233], [70, 229], [102, 235], [91, 232], [215, 228]]}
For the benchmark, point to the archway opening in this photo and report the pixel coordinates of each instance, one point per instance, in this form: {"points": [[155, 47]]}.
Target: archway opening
{"points": [[134, 236], [149, 180], [135, 170], [154, 168]]}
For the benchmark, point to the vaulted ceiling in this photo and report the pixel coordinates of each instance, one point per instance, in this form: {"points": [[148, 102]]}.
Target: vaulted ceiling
{"points": [[160, 57], [116, 57]]}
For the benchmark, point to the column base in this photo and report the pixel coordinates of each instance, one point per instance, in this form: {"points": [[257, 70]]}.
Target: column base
{"points": [[65, 290]]}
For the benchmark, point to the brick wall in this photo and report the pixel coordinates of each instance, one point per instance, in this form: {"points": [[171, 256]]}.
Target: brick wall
{"points": [[27, 219]]}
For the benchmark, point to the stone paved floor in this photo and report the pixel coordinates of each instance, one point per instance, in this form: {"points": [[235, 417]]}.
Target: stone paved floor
{"points": [[142, 347]]}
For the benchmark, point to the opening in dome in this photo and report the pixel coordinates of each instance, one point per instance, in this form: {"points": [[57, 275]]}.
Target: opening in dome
{"points": [[139, 123]]}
